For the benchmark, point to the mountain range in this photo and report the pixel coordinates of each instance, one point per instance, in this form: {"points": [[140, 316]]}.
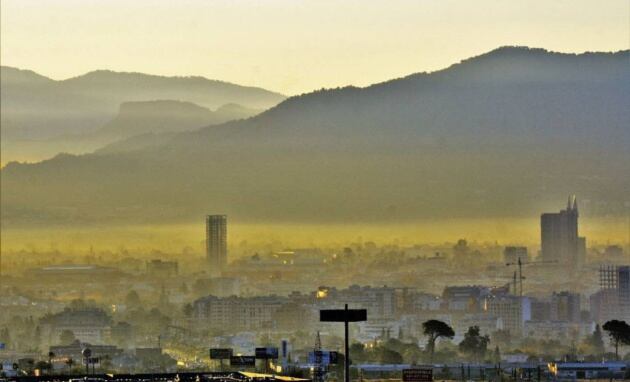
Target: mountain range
{"points": [[41, 117], [37, 107], [501, 134]]}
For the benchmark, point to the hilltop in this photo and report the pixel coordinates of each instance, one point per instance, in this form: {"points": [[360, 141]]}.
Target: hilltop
{"points": [[501, 134]]}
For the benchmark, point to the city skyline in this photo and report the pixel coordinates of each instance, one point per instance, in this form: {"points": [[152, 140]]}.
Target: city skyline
{"points": [[314, 190]]}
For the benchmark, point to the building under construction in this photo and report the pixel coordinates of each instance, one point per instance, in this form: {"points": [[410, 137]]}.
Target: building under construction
{"points": [[612, 301]]}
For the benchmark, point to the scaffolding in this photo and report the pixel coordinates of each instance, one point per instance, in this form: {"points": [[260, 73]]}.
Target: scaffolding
{"points": [[608, 277]]}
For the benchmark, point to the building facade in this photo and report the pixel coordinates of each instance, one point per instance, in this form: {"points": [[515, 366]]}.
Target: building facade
{"points": [[560, 242], [513, 311], [241, 313], [565, 306], [216, 242], [89, 325]]}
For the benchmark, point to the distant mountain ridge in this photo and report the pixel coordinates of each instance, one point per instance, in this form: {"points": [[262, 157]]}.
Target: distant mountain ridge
{"points": [[495, 135], [36, 107], [162, 116]]}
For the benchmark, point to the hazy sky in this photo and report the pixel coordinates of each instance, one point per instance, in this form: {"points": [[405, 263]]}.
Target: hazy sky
{"points": [[294, 46]]}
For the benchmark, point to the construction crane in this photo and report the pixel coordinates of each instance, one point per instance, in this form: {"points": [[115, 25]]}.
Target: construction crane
{"points": [[520, 277]]}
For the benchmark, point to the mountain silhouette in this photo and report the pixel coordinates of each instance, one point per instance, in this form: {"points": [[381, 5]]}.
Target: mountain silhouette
{"points": [[36, 107], [162, 116], [495, 135]]}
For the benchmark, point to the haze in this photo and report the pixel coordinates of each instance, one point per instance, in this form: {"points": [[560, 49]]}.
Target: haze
{"points": [[293, 46], [190, 190]]}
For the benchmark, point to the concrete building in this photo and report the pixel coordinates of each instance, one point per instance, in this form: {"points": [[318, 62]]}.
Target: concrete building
{"points": [[558, 329], [381, 302], [613, 252], [216, 242], [239, 313], [623, 291], [604, 305], [161, 268], [487, 324], [612, 301], [469, 298], [559, 236], [421, 302], [89, 325], [512, 310], [541, 309], [75, 349], [382, 330], [565, 306]]}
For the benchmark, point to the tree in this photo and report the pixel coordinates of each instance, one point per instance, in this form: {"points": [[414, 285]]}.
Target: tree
{"points": [[5, 336], [358, 352], [122, 334], [496, 357], [502, 338], [51, 355], [66, 337], [411, 354], [70, 362], [106, 363], [132, 300], [37, 336], [388, 356], [435, 329], [619, 332], [595, 342], [188, 310], [474, 345]]}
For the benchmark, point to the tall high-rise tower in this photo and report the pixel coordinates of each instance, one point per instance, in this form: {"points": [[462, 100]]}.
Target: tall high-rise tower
{"points": [[559, 236], [216, 242]]}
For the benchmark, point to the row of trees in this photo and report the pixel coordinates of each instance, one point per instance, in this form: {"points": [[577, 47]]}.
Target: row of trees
{"points": [[475, 346]]}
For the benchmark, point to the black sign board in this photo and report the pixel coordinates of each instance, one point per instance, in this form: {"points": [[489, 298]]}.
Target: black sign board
{"points": [[346, 316], [267, 353], [417, 375], [342, 315], [243, 360], [220, 353]]}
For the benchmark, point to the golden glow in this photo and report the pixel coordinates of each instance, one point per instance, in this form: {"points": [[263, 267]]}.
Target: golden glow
{"points": [[294, 46], [174, 238], [322, 293]]}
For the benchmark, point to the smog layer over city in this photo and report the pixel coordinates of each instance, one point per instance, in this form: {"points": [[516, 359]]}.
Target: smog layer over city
{"points": [[325, 191]]}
